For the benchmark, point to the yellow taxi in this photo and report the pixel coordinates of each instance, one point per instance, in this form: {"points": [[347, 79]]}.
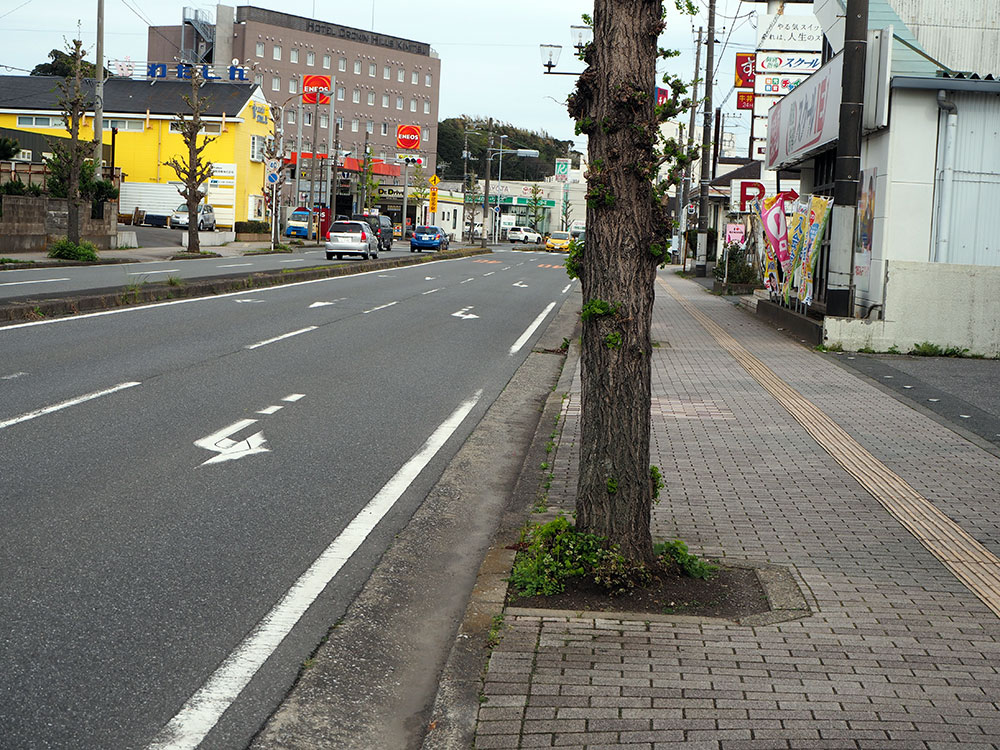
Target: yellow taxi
{"points": [[558, 241]]}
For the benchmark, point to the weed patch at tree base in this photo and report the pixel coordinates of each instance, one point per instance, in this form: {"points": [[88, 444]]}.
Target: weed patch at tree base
{"points": [[732, 594]]}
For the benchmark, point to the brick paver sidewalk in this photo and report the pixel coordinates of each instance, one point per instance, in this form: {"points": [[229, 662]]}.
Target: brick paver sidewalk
{"points": [[897, 653]]}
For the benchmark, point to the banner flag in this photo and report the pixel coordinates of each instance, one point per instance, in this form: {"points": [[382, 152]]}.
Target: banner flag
{"points": [[819, 213]]}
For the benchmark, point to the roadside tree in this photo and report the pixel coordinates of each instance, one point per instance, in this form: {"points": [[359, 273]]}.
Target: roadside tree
{"points": [[420, 189], [192, 169], [536, 204], [61, 64], [627, 233], [9, 148]]}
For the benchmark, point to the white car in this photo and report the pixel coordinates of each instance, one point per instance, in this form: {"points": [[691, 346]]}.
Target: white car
{"points": [[206, 218], [523, 234]]}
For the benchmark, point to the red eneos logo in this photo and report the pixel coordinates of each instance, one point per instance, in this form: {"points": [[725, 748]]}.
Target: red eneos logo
{"points": [[313, 83], [408, 136]]}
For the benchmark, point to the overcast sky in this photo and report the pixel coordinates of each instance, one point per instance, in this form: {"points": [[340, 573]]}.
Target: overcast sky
{"points": [[490, 60]]}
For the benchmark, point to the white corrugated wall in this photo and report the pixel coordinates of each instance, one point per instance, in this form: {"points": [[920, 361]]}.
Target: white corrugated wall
{"points": [[974, 238], [962, 34]]}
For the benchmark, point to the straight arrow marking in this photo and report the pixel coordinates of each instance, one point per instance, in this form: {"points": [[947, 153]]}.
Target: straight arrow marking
{"points": [[228, 449]]}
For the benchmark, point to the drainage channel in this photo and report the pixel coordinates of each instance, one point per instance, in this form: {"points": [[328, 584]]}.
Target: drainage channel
{"points": [[974, 565]]}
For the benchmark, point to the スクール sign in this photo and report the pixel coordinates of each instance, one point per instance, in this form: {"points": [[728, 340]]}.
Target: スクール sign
{"points": [[408, 136]]}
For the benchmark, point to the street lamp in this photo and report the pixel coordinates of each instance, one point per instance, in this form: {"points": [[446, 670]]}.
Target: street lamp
{"points": [[581, 37], [490, 153]]}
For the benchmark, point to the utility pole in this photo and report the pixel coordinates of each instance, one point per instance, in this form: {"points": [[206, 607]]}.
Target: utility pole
{"points": [[335, 178], [847, 168], [715, 144], [364, 177], [701, 260], [298, 155], [486, 189], [406, 189], [686, 186], [465, 182], [313, 217], [99, 94]]}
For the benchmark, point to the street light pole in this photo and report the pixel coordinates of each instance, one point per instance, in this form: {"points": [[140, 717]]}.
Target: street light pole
{"points": [[701, 261], [486, 189]]}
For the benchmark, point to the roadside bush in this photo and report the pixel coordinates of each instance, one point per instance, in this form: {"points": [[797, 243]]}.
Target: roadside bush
{"points": [[742, 268], [66, 250], [252, 227]]}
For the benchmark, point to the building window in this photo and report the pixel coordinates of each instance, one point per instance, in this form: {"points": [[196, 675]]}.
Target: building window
{"points": [[427, 80], [208, 127], [260, 49], [387, 72], [413, 105], [354, 126], [400, 75], [258, 79], [22, 155], [385, 128], [124, 125], [381, 155], [415, 78], [275, 83], [277, 52], [371, 98], [399, 102], [292, 86], [427, 108], [310, 58], [340, 123], [385, 100], [357, 67], [370, 126], [307, 118], [356, 97], [291, 117], [324, 121], [326, 62], [371, 69], [340, 93], [342, 64], [293, 56], [257, 145]]}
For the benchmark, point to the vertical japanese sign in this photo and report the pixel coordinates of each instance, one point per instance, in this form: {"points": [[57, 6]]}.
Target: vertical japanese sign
{"points": [[866, 225], [746, 63]]}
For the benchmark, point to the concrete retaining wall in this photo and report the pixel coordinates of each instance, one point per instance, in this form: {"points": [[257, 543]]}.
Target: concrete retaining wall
{"points": [[32, 224], [945, 304]]}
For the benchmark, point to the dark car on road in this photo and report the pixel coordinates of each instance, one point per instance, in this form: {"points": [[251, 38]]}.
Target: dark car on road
{"points": [[381, 225], [428, 238]]}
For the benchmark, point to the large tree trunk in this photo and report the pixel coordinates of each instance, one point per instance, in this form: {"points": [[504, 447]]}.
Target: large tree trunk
{"points": [[193, 197], [614, 103]]}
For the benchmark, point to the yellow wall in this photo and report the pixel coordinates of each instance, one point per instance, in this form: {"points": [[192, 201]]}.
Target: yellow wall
{"points": [[141, 153]]}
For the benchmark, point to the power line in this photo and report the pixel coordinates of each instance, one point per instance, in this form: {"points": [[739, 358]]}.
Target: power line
{"points": [[26, 2]]}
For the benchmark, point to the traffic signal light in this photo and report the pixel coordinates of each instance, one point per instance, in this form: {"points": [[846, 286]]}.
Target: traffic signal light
{"points": [[413, 160]]}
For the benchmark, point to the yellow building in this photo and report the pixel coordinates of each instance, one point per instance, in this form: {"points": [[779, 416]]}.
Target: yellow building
{"points": [[145, 115]]}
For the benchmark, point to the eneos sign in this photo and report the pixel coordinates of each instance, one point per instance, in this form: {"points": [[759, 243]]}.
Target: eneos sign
{"points": [[313, 83], [408, 136]]}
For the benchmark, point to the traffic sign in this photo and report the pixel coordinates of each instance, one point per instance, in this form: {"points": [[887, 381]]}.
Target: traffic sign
{"points": [[496, 210], [272, 165], [434, 180], [433, 207], [272, 178]]}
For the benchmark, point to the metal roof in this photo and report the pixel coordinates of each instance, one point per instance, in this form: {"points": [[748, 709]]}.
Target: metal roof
{"points": [[125, 96], [973, 85]]}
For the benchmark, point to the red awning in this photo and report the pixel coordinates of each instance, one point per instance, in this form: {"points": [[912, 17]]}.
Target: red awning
{"points": [[350, 164]]}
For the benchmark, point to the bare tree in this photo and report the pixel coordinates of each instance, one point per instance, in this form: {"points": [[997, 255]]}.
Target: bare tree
{"points": [[626, 240], [420, 189], [73, 101], [192, 169]]}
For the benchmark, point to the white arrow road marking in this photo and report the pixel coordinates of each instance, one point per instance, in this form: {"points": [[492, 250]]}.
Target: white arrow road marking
{"points": [[64, 404], [380, 307], [319, 304], [235, 265], [431, 291], [464, 313], [230, 450], [520, 284], [283, 336], [293, 397], [566, 288], [36, 281], [531, 329], [202, 710]]}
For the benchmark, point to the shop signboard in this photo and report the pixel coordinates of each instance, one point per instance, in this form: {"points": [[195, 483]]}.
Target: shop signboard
{"points": [[312, 85], [782, 63], [787, 33], [807, 119], [408, 136], [745, 70], [777, 84]]}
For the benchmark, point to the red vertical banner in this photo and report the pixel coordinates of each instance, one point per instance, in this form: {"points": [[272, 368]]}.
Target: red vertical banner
{"points": [[745, 66], [744, 100]]}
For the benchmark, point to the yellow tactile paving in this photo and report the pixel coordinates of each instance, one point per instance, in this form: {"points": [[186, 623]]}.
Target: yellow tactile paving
{"points": [[974, 565]]}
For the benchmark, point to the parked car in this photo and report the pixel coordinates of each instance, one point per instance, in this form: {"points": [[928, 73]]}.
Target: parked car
{"points": [[206, 218], [558, 241], [428, 238], [381, 225], [523, 234], [351, 238]]}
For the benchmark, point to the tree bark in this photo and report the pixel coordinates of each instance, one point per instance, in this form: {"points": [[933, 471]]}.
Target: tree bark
{"points": [[615, 107]]}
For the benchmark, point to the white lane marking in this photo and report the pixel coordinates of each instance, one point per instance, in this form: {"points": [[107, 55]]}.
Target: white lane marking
{"points": [[190, 300], [965, 416], [202, 710], [520, 284], [36, 281], [566, 288], [270, 409], [531, 329], [65, 404], [13, 376], [505, 268], [933, 400], [905, 386], [380, 307], [319, 304], [386, 276], [467, 281], [293, 397], [490, 273], [235, 265], [149, 273], [248, 301], [431, 291], [294, 260], [231, 450], [464, 313], [429, 278], [283, 336]]}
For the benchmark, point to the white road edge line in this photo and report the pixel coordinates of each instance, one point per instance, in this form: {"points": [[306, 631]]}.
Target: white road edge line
{"points": [[202, 710], [235, 265], [566, 288], [430, 291], [35, 281], [380, 307], [150, 273], [282, 336], [64, 404], [531, 329]]}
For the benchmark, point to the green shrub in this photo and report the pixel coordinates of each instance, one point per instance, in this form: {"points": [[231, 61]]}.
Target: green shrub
{"points": [[252, 227], [14, 187], [691, 565], [66, 250], [742, 268]]}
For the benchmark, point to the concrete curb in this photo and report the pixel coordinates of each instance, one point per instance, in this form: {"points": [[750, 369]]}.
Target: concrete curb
{"points": [[453, 718], [106, 299]]}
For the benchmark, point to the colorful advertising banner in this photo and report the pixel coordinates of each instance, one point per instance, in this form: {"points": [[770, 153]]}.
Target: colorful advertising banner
{"points": [[866, 225], [797, 228], [819, 213], [773, 215], [745, 73]]}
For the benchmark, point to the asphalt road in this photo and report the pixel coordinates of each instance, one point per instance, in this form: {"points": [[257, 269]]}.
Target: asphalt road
{"points": [[181, 479]]}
